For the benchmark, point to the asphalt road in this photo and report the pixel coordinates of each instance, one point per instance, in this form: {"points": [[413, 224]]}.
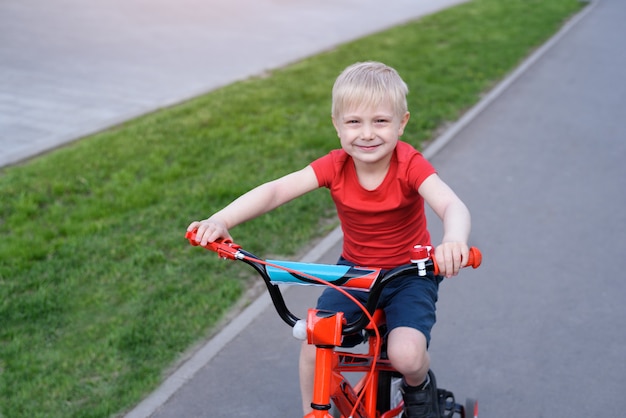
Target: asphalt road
{"points": [[538, 330]]}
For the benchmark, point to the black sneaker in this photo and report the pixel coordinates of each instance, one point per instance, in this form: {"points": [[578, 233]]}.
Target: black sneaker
{"points": [[421, 403]]}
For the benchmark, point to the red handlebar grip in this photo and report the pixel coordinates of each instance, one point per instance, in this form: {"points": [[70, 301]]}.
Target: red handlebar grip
{"points": [[473, 260], [475, 257], [191, 236], [224, 249]]}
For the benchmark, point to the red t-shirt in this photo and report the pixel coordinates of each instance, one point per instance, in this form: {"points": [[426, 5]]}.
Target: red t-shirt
{"points": [[379, 226]]}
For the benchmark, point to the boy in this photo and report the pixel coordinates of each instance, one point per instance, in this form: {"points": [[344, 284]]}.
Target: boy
{"points": [[379, 185]]}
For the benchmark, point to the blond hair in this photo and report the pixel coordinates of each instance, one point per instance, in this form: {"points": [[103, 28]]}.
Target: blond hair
{"points": [[369, 84]]}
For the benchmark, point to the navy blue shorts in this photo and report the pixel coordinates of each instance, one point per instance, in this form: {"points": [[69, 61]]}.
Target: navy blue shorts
{"points": [[407, 301]]}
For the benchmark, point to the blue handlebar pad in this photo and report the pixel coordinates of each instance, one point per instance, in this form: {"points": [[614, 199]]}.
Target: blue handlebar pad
{"points": [[360, 278]]}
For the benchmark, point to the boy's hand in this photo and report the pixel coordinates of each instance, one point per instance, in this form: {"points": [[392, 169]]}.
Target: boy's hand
{"points": [[451, 257], [209, 230]]}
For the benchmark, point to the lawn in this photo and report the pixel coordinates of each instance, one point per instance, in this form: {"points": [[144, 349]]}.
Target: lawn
{"points": [[100, 293]]}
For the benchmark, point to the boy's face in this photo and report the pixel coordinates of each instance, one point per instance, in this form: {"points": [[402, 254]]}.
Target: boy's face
{"points": [[369, 134]]}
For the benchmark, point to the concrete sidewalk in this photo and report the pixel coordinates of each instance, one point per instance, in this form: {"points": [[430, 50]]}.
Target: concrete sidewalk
{"points": [[72, 68]]}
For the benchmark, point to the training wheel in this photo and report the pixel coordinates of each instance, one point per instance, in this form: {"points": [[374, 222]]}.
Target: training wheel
{"points": [[471, 408]]}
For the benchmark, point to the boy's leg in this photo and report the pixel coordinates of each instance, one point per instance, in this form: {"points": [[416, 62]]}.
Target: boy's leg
{"points": [[407, 351], [307, 374], [410, 312]]}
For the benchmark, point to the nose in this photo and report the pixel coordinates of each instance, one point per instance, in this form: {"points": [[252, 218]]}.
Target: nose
{"points": [[367, 132]]}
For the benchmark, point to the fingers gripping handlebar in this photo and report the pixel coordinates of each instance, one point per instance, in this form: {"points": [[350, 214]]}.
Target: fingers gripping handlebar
{"points": [[421, 256], [224, 249]]}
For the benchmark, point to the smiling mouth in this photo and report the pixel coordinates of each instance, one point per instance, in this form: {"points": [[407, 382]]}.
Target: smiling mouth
{"points": [[368, 147]]}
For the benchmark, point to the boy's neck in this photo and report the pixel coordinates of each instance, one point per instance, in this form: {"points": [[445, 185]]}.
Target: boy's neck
{"points": [[372, 175]]}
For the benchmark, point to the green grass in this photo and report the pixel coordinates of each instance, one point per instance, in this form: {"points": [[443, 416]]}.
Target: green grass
{"points": [[100, 293]]}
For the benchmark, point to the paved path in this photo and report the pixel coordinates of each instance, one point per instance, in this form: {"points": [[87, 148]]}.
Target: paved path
{"points": [[538, 330], [69, 68]]}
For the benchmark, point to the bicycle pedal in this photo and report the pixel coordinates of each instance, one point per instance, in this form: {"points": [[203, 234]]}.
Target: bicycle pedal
{"points": [[446, 403]]}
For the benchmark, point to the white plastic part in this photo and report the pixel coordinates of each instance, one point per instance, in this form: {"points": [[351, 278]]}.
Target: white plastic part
{"points": [[299, 330], [419, 256]]}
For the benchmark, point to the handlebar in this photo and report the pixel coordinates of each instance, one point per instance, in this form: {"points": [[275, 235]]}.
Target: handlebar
{"points": [[372, 279]]}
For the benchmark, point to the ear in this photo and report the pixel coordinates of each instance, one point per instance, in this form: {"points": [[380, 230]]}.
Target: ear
{"points": [[403, 122], [335, 125]]}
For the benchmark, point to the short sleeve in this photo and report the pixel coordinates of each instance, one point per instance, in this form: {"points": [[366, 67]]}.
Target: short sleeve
{"points": [[414, 165], [326, 167]]}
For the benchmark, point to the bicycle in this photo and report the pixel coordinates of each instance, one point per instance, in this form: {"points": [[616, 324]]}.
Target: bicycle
{"points": [[375, 395]]}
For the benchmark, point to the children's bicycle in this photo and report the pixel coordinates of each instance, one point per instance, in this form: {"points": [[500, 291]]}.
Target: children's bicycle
{"points": [[376, 394]]}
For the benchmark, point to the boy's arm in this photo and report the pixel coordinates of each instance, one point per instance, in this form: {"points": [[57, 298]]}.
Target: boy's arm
{"points": [[254, 203], [453, 252]]}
